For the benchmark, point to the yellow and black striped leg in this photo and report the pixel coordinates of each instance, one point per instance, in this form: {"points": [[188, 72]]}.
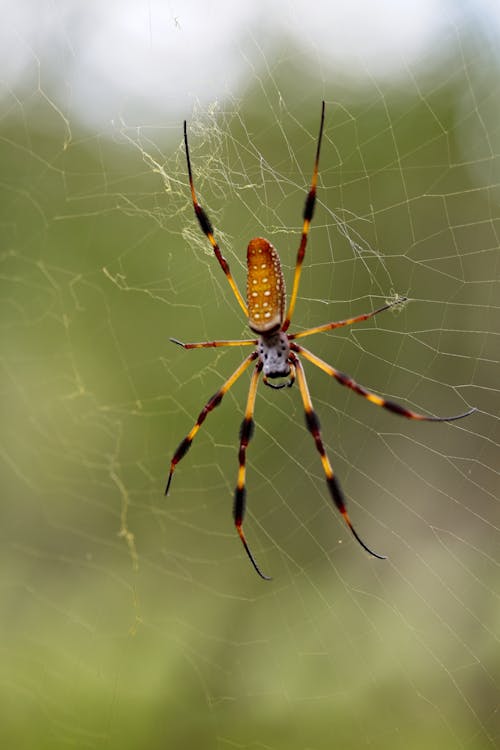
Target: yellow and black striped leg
{"points": [[392, 406], [307, 215], [313, 426], [214, 344], [185, 444], [346, 322], [246, 432], [207, 229]]}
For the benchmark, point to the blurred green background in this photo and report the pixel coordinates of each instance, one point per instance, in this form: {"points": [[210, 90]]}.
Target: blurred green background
{"points": [[131, 620]]}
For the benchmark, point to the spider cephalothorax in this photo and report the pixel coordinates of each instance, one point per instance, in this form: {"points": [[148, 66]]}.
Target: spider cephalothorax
{"points": [[275, 353]]}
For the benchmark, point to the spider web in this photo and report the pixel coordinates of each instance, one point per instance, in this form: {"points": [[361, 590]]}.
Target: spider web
{"points": [[133, 620]]}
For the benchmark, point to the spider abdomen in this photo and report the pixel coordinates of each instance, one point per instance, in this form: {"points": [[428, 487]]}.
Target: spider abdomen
{"points": [[265, 287]]}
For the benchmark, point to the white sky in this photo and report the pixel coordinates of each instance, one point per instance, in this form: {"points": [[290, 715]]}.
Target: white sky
{"points": [[150, 59]]}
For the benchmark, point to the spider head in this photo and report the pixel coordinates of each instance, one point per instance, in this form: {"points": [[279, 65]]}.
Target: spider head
{"points": [[273, 351]]}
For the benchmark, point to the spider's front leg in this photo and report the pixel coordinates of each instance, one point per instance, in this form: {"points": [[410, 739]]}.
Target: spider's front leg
{"points": [[313, 426], [392, 406], [246, 432], [185, 444]]}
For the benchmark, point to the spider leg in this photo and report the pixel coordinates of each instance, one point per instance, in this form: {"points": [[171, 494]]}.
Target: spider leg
{"points": [[307, 215], [214, 344], [207, 229], [346, 380], [313, 426], [185, 444], [246, 432], [346, 322]]}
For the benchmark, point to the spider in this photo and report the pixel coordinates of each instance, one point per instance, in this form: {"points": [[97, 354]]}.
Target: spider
{"points": [[276, 353]]}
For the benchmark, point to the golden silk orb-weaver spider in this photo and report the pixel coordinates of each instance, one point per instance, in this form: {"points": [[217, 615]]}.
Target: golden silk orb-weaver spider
{"points": [[276, 353]]}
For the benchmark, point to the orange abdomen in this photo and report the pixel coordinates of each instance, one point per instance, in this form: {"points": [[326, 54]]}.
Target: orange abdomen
{"points": [[265, 287]]}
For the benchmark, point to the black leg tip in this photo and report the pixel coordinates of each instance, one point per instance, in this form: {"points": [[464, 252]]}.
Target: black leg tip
{"points": [[168, 483]]}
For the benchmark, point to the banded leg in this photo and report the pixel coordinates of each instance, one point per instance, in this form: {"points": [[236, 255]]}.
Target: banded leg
{"points": [[346, 322], [246, 432], [214, 344], [313, 426], [392, 406], [207, 229], [307, 215], [185, 444]]}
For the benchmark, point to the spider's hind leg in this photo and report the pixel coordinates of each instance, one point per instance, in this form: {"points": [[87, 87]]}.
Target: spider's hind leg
{"points": [[208, 231]]}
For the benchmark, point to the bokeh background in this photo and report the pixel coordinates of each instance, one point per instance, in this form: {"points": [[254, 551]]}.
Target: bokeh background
{"points": [[133, 620]]}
